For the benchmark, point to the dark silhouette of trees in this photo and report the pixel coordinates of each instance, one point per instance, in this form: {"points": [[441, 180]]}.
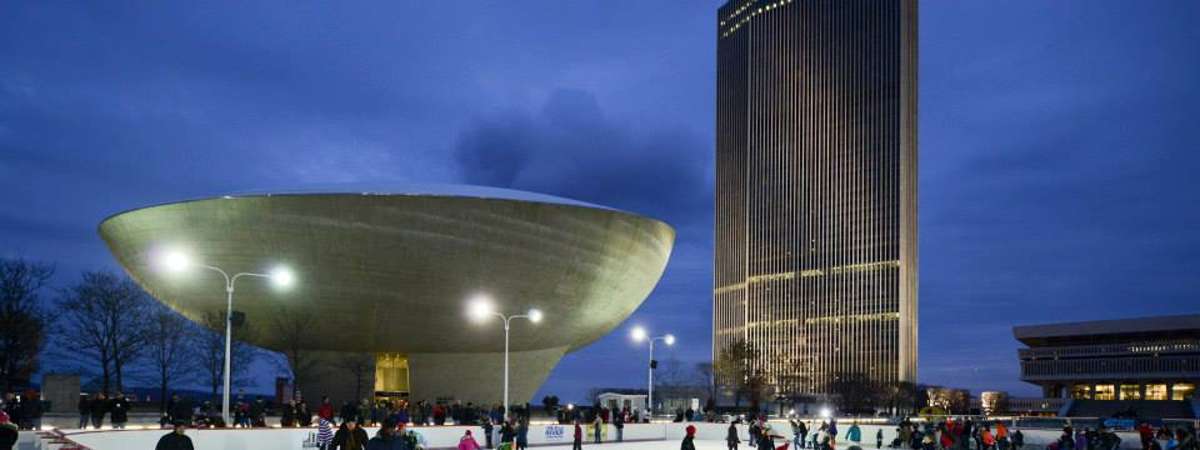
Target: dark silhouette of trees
{"points": [[359, 366], [23, 323], [901, 398], [707, 376], [550, 405], [855, 392], [293, 329], [211, 346], [736, 368], [102, 319], [171, 343]]}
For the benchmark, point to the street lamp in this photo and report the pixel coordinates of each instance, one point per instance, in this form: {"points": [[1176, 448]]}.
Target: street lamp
{"points": [[178, 261], [639, 334], [481, 309]]}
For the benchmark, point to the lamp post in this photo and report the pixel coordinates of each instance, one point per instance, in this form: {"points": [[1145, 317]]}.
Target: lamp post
{"points": [[480, 310], [177, 261], [638, 335]]}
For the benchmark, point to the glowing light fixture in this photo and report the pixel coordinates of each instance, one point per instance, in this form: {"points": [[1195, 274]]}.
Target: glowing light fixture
{"points": [[638, 334], [480, 309]]}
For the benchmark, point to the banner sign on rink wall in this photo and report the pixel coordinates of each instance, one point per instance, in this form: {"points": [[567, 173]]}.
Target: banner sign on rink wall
{"points": [[556, 433]]}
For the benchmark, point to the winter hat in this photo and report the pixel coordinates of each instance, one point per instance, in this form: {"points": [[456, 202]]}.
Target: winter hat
{"points": [[691, 430], [3, 417]]}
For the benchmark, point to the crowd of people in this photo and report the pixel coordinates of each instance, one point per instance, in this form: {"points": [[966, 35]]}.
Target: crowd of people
{"points": [[94, 408], [1162, 438], [23, 412]]}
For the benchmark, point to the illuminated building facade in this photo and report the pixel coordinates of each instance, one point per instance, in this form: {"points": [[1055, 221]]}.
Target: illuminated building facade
{"points": [[1153, 358], [816, 197]]}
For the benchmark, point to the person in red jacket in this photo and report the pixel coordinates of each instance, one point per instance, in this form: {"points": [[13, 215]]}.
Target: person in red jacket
{"points": [[1146, 432], [326, 409], [578, 443]]}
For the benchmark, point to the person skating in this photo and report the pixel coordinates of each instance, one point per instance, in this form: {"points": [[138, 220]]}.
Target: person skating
{"points": [[303, 414], [287, 417], [8, 432], [350, 436], [731, 437], [522, 435], [176, 439], [766, 440], [31, 410], [120, 411], [349, 412], [386, 438], [85, 410], [821, 439], [854, 434], [597, 427], [12, 407], [467, 442], [619, 425], [325, 411], [927, 442], [987, 439], [258, 412], [181, 410], [1186, 440], [507, 435], [577, 444], [439, 414], [324, 433], [1002, 440], [98, 408], [687, 443], [486, 423], [755, 431], [1107, 440], [798, 431], [833, 432]]}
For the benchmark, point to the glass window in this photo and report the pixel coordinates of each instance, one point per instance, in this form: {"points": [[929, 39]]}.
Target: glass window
{"points": [[1183, 391], [1156, 392], [1131, 392], [1105, 392], [1083, 391]]}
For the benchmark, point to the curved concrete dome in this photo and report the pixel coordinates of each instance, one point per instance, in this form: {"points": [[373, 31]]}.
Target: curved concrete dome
{"points": [[393, 272]]}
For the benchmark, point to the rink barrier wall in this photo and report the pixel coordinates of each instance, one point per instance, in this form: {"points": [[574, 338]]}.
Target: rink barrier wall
{"points": [[447, 437]]}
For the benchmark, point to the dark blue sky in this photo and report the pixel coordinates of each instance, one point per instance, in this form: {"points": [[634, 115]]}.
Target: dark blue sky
{"points": [[1058, 140]]}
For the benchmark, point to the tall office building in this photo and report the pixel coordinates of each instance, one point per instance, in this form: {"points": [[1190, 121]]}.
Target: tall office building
{"points": [[816, 199]]}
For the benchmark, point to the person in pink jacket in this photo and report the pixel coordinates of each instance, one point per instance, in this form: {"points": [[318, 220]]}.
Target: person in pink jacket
{"points": [[467, 442]]}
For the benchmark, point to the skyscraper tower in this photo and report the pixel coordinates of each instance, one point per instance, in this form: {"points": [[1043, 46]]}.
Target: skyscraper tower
{"points": [[816, 198]]}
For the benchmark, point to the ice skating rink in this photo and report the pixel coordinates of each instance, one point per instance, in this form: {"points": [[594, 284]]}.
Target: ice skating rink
{"points": [[657, 436]]}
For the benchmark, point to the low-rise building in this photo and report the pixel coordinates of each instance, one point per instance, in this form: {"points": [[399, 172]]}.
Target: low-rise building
{"points": [[1152, 358]]}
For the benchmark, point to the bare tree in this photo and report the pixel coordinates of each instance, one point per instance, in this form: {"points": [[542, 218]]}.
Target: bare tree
{"points": [[103, 319], [360, 366], [293, 328], [211, 345], [23, 323], [737, 368], [855, 392], [901, 397], [707, 376], [171, 349]]}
